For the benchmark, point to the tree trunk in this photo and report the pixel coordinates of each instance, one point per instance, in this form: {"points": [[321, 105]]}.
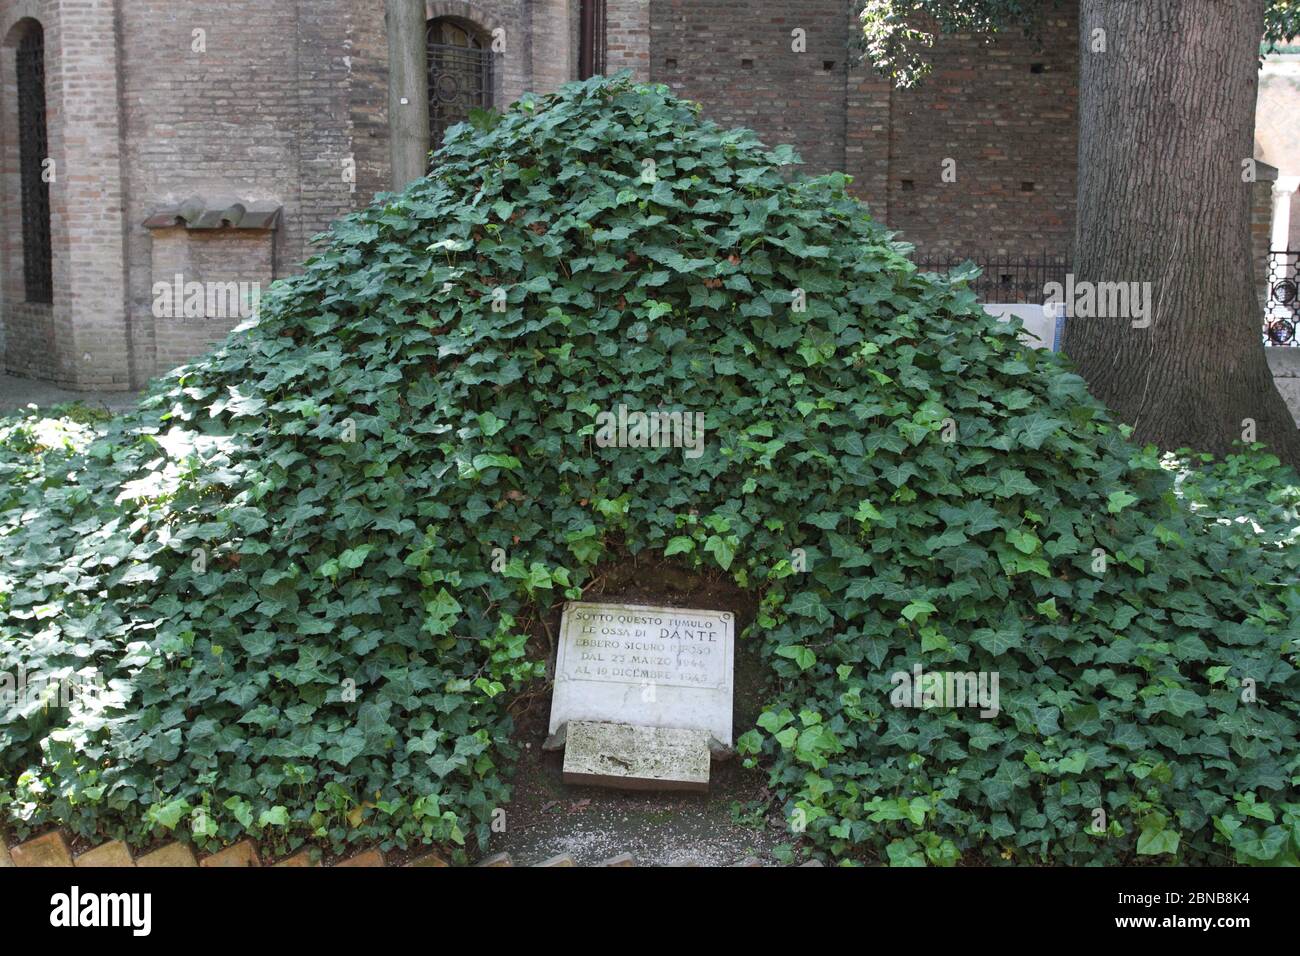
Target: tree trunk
{"points": [[408, 90], [1166, 119]]}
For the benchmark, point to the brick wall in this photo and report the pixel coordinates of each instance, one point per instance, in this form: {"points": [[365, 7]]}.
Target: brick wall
{"points": [[1261, 227], [269, 102], [282, 99], [627, 38], [868, 107], [737, 58], [273, 101], [1277, 134], [209, 260], [81, 340], [366, 60], [553, 56], [1005, 111], [213, 110]]}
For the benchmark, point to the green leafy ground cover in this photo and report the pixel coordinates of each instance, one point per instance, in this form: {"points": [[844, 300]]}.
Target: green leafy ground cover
{"points": [[282, 564]]}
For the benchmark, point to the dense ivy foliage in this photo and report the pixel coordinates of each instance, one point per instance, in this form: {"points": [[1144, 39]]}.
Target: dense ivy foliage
{"points": [[316, 506]]}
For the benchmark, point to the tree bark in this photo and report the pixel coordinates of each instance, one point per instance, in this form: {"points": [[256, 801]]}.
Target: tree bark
{"points": [[1166, 119], [408, 90]]}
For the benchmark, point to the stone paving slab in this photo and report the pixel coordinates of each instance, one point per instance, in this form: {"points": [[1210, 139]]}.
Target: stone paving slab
{"points": [[172, 855], [241, 854], [369, 858], [636, 758], [48, 850], [299, 859], [115, 854]]}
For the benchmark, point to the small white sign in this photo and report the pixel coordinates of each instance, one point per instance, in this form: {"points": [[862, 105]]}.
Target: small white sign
{"points": [[1039, 321], [645, 666]]}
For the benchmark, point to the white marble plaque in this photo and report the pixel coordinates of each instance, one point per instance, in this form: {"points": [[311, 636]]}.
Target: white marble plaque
{"points": [[645, 666]]}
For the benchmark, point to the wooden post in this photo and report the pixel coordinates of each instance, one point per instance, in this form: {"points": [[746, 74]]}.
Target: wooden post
{"points": [[408, 90]]}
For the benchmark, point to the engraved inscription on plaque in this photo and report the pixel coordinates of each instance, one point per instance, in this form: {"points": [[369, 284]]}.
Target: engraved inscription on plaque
{"points": [[681, 650], [646, 666]]}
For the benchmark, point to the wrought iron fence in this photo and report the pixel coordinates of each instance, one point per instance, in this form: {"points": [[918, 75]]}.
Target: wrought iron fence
{"points": [[1006, 278], [1282, 309]]}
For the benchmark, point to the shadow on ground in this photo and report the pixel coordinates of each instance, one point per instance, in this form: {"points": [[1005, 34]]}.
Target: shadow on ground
{"points": [[16, 393]]}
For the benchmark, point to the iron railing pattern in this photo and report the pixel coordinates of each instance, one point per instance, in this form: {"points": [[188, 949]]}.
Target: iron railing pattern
{"points": [[1282, 308]]}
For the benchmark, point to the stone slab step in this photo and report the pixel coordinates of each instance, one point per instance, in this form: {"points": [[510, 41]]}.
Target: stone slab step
{"points": [[629, 757]]}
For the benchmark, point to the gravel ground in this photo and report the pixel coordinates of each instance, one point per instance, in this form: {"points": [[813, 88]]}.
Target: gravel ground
{"points": [[548, 817]]}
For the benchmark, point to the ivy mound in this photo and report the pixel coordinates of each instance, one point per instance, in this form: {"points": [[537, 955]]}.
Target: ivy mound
{"points": [[308, 567]]}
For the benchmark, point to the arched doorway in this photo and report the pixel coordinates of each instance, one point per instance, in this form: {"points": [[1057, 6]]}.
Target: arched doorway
{"points": [[460, 73]]}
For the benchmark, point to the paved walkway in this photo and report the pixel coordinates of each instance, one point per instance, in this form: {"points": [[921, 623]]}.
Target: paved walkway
{"points": [[16, 393]]}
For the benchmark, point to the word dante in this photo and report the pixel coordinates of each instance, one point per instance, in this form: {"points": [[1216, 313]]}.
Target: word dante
{"points": [[684, 635]]}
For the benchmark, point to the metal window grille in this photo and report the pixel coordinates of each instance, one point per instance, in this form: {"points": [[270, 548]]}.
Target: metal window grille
{"points": [[33, 148], [1282, 311], [460, 76]]}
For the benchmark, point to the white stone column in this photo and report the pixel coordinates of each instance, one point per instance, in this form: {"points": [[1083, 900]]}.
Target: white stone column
{"points": [[1283, 190]]}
